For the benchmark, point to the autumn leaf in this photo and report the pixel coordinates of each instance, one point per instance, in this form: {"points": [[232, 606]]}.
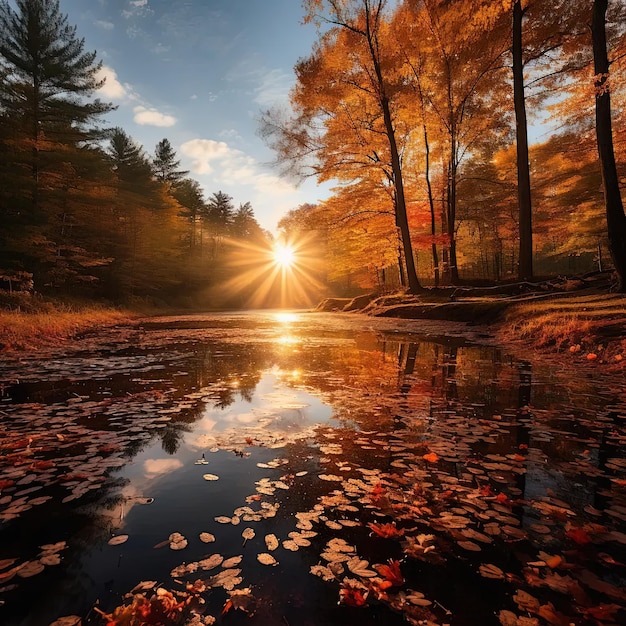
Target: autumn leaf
{"points": [[352, 595], [391, 572], [266, 559], [387, 531], [431, 457], [117, 540], [579, 535], [359, 567]]}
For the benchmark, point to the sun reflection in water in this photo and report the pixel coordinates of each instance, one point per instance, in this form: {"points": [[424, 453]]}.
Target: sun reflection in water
{"points": [[286, 318]]}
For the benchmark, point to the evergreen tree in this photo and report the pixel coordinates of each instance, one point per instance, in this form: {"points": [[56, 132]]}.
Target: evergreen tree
{"points": [[221, 212], [165, 164], [46, 98], [49, 80]]}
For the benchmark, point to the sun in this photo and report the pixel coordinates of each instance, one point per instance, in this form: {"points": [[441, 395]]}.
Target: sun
{"points": [[284, 256]]}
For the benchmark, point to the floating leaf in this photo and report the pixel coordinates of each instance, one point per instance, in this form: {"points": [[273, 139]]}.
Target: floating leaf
{"points": [[68, 620], [211, 562], [271, 541], [222, 519], [416, 598], [289, 544], [359, 567], [207, 537], [247, 534], [210, 477], [487, 570], [117, 540], [266, 559], [325, 573], [50, 559], [232, 561], [177, 541], [30, 568]]}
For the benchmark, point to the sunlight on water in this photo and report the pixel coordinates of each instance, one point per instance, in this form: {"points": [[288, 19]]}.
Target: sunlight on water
{"points": [[286, 318]]}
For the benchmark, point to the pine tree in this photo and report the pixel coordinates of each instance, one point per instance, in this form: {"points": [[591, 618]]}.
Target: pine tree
{"points": [[165, 164], [49, 80]]}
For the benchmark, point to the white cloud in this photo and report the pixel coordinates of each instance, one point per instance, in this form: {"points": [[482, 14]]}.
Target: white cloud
{"points": [[152, 117], [231, 166], [231, 133], [104, 24], [136, 8], [112, 87], [273, 88]]}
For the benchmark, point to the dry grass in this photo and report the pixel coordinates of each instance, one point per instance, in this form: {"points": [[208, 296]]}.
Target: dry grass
{"points": [[24, 331], [588, 324]]}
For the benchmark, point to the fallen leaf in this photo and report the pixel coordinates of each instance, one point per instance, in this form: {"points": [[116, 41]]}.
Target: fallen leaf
{"points": [[117, 540], [266, 559]]}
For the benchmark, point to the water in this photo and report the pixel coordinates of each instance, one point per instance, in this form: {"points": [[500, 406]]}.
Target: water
{"points": [[487, 477]]}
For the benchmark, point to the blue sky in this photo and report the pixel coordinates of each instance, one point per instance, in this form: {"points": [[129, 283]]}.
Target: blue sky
{"points": [[199, 72]]}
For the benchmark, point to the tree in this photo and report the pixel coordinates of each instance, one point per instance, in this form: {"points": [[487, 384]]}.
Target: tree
{"points": [[615, 217], [165, 164], [48, 80], [244, 224], [191, 197], [343, 106], [221, 212]]}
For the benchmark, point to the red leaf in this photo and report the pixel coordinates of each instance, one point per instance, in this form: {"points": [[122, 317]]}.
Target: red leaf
{"points": [[579, 535], [352, 596], [391, 572], [386, 531]]}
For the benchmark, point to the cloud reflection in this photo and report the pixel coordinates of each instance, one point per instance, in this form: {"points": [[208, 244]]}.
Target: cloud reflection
{"points": [[157, 467]]}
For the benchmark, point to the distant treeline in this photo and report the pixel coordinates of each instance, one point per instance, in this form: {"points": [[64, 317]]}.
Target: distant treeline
{"points": [[84, 210]]}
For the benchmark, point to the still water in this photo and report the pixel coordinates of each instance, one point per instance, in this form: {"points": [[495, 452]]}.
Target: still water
{"points": [[310, 469]]}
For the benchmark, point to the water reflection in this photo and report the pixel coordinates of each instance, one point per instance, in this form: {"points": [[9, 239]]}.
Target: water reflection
{"points": [[445, 425]]}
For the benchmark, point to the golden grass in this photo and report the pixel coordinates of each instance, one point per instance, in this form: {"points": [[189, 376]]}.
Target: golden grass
{"points": [[578, 323], [22, 331]]}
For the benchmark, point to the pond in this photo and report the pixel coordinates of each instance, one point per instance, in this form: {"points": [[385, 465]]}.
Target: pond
{"points": [[300, 469]]}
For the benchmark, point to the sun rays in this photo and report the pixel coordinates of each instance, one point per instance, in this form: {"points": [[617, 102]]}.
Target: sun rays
{"points": [[284, 275]]}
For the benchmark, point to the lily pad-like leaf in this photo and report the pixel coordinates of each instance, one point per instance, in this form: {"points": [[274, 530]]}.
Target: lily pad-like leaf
{"points": [[325, 573], [117, 540], [177, 541], [487, 570], [30, 568], [266, 559], [207, 537], [234, 560], [359, 567], [67, 620], [271, 541], [210, 562], [248, 533], [210, 477]]}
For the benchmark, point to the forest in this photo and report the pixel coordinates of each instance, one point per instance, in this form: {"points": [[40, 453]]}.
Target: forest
{"points": [[465, 138], [85, 211], [468, 140]]}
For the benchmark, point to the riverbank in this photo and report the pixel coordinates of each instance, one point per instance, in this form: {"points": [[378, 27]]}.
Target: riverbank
{"points": [[34, 330], [577, 320]]}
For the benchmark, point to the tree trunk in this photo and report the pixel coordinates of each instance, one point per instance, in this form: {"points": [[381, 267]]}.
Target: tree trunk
{"points": [[525, 270], [615, 218], [431, 204], [402, 221]]}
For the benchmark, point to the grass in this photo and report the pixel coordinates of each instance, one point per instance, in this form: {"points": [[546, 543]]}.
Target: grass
{"points": [[589, 324], [25, 331]]}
